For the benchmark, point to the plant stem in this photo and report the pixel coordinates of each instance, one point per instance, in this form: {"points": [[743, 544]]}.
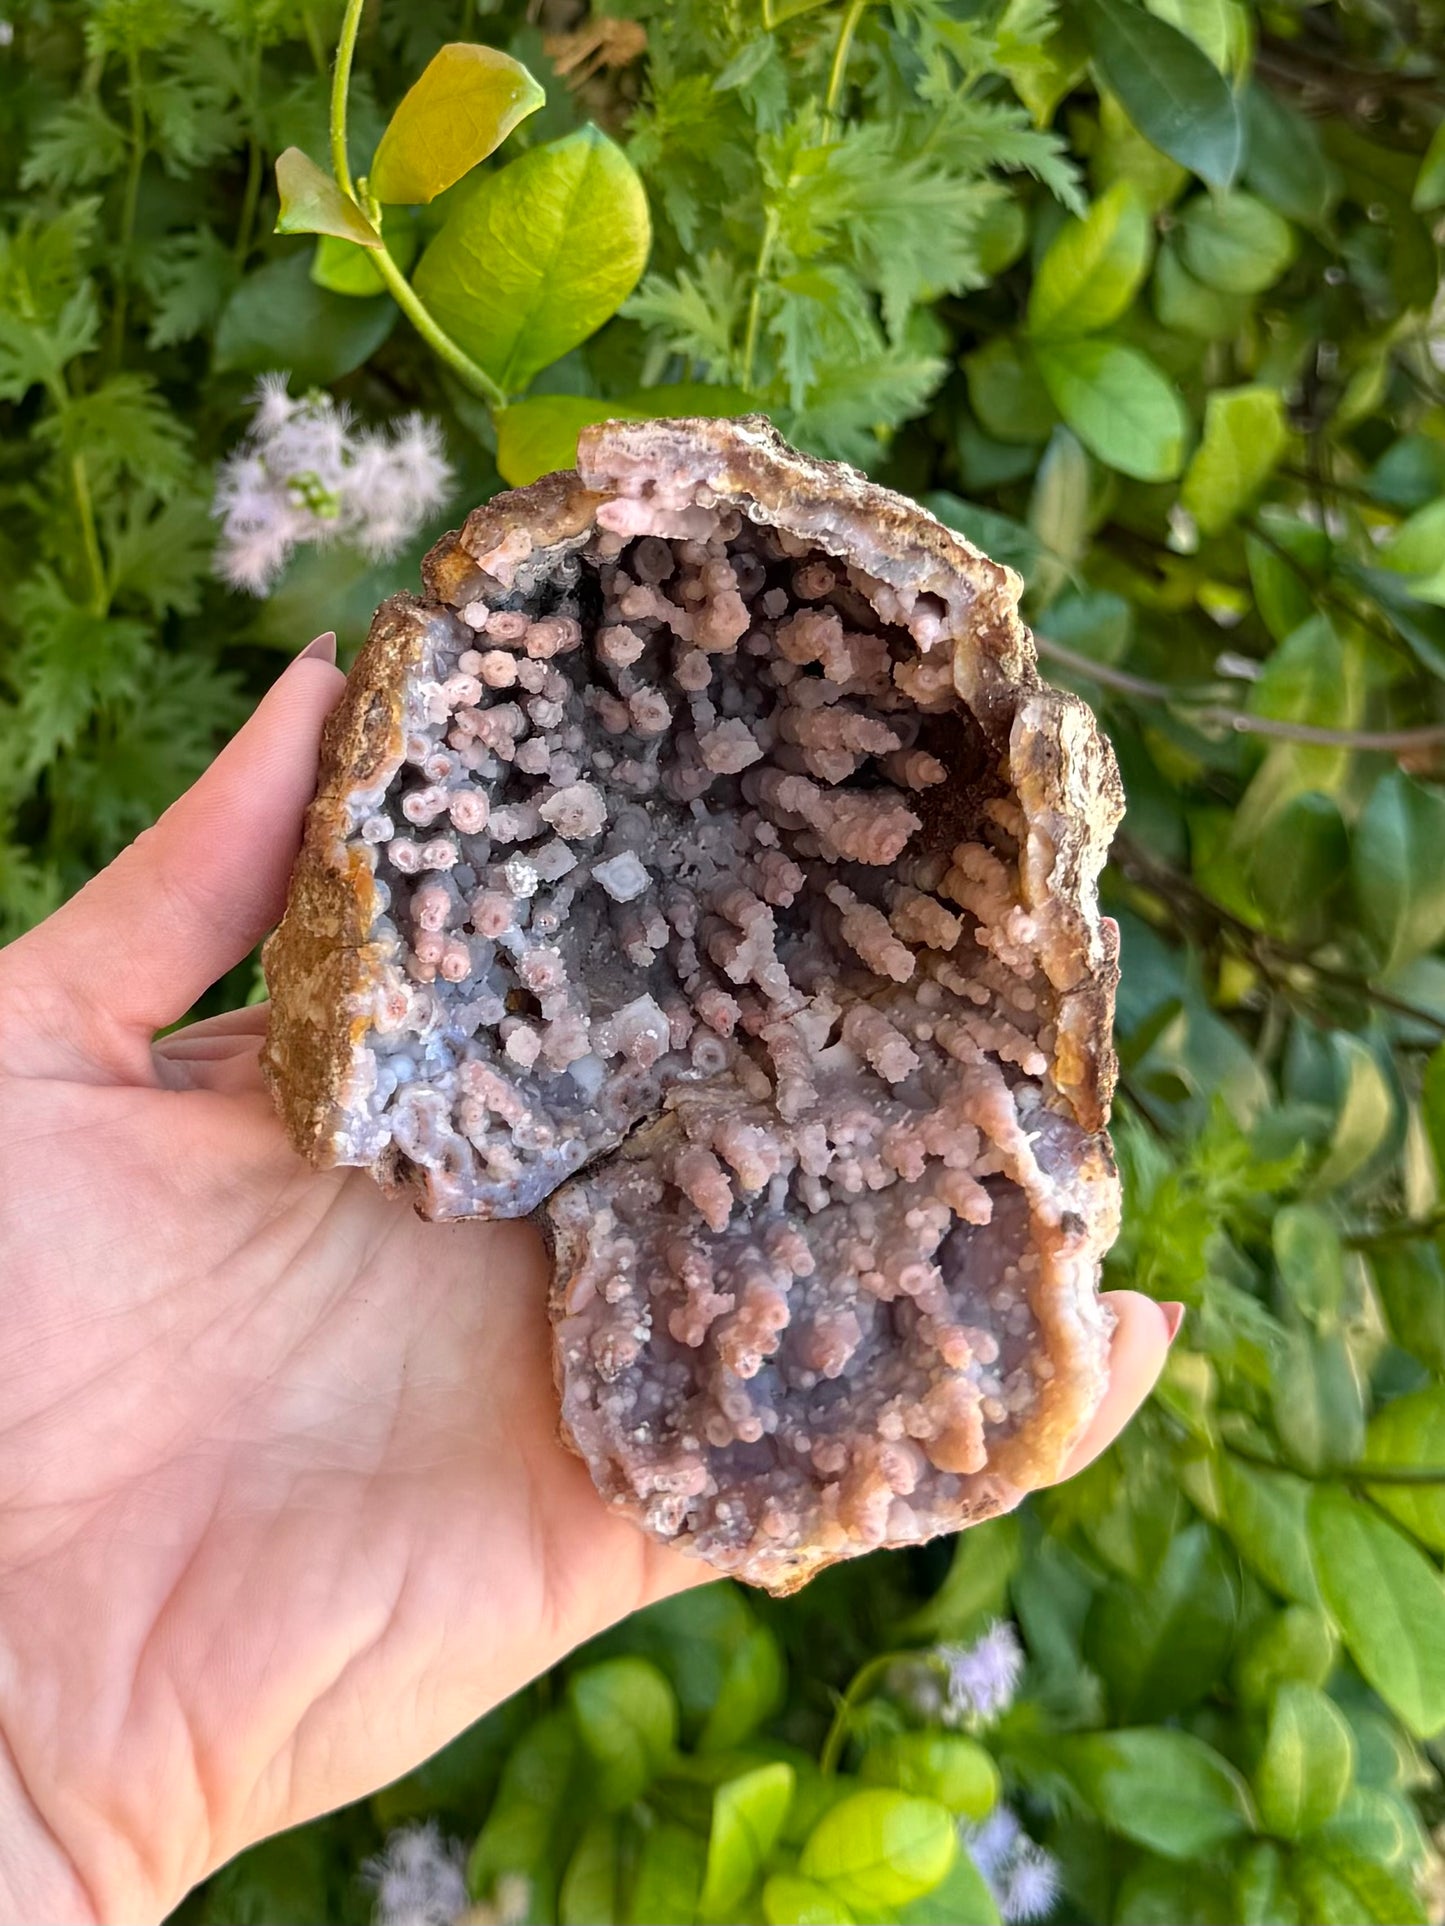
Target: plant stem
{"points": [[852, 15], [862, 1684], [340, 87], [249, 203], [131, 198], [755, 300], [1405, 1231], [400, 289], [90, 540]]}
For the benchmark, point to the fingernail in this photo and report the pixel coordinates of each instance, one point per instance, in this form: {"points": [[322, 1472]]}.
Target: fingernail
{"points": [[1173, 1318], [323, 649]]}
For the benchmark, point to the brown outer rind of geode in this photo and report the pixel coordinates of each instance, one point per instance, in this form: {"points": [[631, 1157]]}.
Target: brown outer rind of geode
{"points": [[319, 962]]}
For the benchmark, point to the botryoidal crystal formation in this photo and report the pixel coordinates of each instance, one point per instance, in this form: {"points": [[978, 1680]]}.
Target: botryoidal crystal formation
{"points": [[701, 865]]}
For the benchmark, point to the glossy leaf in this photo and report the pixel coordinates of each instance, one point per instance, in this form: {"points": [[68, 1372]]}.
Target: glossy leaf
{"points": [[1008, 393], [1410, 1279], [1093, 267], [1159, 1647], [791, 1901], [667, 1882], [1318, 1401], [1389, 1602], [344, 268], [1429, 190], [514, 308], [278, 319], [946, 1766], [1235, 243], [1337, 1887], [589, 1895], [1408, 1431], [1164, 1789], [1311, 1260], [1297, 1645], [464, 105], [539, 435], [1172, 91], [880, 1849], [312, 203], [748, 1814], [1399, 866], [1307, 1764], [964, 1898], [627, 1717], [1118, 403], [1244, 436], [1285, 162]]}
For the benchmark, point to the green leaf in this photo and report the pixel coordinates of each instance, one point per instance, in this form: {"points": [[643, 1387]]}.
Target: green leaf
{"points": [[1159, 1892], [881, 1849], [626, 1714], [1118, 403], [1297, 1645], [517, 307], [1410, 1430], [1284, 160], [465, 103], [1159, 1648], [1429, 190], [1299, 857], [945, 1766], [1093, 267], [1307, 1764], [312, 203], [984, 1559], [589, 1886], [1186, 306], [752, 1689], [1389, 1603], [344, 269], [790, 1901], [748, 1813], [1317, 1400], [1171, 90], [1399, 867], [1311, 1261], [965, 1898], [1235, 243], [668, 1880], [1261, 1888], [1245, 432], [539, 435], [1167, 1790], [536, 1810], [1411, 1281], [1007, 393], [1432, 1106], [1366, 1117], [1337, 1887], [278, 318]]}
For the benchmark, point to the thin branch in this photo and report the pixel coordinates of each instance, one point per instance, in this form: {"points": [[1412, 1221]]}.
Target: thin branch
{"points": [[1403, 1231], [1239, 720]]}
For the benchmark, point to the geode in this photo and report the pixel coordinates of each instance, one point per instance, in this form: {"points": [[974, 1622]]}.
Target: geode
{"points": [[701, 864]]}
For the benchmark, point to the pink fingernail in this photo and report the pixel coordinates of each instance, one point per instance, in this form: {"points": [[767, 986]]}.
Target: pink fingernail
{"points": [[323, 649], [1173, 1318]]}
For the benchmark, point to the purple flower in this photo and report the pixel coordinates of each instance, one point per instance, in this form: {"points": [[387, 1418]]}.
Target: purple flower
{"points": [[981, 1679], [1023, 1878]]}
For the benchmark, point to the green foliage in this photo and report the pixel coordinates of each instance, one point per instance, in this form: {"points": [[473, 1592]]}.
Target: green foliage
{"points": [[1142, 295]]}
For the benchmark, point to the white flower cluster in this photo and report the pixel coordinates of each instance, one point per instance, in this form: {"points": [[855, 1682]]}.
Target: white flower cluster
{"points": [[306, 473], [418, 1879], [1023, 1878]]}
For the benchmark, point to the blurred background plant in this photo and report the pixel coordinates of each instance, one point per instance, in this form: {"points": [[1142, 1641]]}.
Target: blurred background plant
{"points": [[1144, 298]]}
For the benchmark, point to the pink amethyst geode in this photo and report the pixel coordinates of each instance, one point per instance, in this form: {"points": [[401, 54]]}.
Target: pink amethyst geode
{"points": [[702, 865]]}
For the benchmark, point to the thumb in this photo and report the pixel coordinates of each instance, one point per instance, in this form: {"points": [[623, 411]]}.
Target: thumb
{"points": [[191, 896]]}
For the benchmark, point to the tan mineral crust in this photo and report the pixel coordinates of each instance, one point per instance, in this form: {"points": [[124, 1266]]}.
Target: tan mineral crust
{"points": [[701, 865]]}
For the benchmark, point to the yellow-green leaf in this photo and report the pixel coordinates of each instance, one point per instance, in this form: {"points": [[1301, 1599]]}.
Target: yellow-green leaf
{"points": [[1093, 267], [535, 258], [312, 203], [462, 108], [1244, 436], [1411, 1431], [1307, 1764], [880, 1849], [539, 435], [344, 268]]}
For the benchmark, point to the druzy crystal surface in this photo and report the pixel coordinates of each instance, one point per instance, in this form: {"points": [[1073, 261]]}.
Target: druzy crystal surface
{"points": [[701, 865]]}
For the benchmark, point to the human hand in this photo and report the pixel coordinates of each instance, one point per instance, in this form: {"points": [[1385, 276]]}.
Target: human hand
{"points": [[282, 1503]]}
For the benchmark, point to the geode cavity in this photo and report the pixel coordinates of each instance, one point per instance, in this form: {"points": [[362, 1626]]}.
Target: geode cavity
{"points": [[702, 865]]}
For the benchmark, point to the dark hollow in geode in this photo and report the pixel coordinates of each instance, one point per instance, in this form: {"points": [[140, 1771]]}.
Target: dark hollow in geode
{"points": [[702, 865]]}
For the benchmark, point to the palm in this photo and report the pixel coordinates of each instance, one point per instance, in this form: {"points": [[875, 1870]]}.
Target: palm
{"points": [[282, 1504]]}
